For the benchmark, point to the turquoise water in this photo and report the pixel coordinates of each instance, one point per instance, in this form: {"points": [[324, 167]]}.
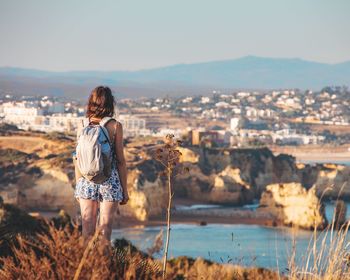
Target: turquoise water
{"points": [[343, 162], [249, 245]]}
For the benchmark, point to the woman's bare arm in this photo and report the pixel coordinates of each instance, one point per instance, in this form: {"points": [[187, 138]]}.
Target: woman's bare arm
{"points": [[121, 163], [76, 169]]}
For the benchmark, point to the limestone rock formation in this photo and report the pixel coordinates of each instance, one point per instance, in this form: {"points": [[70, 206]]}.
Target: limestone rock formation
{"points": [[340, 214], [258, 167], [333, 181], [226, 187], [291, 204], [37, 173], [147, 196], [229, 187], [234, 176], [35, 177], [188, 155], [35, 183]]}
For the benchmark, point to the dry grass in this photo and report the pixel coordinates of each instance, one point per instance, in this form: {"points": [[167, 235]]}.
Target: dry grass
{"points": [[323, 259], [65, 254], [327, 256]]}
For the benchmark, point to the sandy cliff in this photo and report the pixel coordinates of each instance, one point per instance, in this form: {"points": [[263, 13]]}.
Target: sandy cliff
{"points": [[291, 204], [249, 171], [39, 175], [147, 195]]}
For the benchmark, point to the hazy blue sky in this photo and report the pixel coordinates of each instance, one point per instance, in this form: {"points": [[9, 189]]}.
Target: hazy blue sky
{"points": [[130, 34]]}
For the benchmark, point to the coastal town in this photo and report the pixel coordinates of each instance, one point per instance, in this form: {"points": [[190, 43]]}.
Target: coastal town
{"points": [[235, 119], [175, 140]]}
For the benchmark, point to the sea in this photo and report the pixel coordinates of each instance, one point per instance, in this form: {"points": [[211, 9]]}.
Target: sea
{"points": [[247, 245]]}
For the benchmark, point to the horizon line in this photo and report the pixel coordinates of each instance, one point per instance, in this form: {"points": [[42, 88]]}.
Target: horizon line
{"points": [[171, 65]]}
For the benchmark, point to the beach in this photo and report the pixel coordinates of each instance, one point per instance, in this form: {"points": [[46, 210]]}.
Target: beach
{"points": [[316, 153], [124, 222]]}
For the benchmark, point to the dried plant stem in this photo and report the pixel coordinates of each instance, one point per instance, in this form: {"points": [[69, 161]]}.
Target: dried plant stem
{"points": [[168, 222], [85, 254]]}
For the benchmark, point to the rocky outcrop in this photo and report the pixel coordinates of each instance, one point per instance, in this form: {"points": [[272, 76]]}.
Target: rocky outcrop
{"points": [[36, 183], [147, 196], [42, 175], [340, 214], [291, 204], [235, 176], [229, 188], [333, 181], [188, 155], [258, 167], [38, 175]]}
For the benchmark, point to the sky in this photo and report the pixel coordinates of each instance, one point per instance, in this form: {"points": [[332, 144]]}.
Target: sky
{"points": [[67, 35]]}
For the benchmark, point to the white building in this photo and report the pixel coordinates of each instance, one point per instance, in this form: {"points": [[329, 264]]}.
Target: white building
{"points": [[30, 116], [243, 94], [251, 112], [65, 122], [21, 109], [187, 100], [288, 136], [234, 123], [133, 125], [222, 104], [204, 100], [55, 108], [21, 114]]}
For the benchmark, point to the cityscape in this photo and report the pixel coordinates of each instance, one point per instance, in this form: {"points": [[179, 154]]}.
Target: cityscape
{"points": [[284, 117]]}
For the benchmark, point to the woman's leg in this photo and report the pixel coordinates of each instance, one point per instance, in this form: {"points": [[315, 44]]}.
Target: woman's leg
{"points": [[107, 209], [88, 209]]}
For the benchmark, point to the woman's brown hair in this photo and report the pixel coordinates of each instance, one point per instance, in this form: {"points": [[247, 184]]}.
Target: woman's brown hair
{"points": [[101, 103]]}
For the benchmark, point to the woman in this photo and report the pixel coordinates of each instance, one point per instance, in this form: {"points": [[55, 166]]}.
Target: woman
{"points": [[107, 194]]}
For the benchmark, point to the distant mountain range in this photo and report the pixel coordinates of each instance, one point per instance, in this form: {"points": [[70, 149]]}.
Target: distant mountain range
{"points": [[248, 72]]}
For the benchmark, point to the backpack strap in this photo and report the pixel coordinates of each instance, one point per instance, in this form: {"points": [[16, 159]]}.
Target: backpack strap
{"points": [[106, 134], [81, 125], [111, 142], [105, 120], [103, 123]]}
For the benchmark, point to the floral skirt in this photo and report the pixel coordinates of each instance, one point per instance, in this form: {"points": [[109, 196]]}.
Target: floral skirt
{"points": [[109, 190]]}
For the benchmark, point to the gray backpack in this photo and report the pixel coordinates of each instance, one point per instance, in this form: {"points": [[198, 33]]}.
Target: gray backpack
{"points": [[94, 152]]}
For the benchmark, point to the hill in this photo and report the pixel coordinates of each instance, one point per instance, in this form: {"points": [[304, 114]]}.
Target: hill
{"points": [[248, 72]]}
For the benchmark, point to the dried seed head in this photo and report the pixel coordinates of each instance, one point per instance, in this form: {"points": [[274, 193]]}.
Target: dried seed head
{"points": [[177, 153], [167, 146], [159, 157], [169, 138]]}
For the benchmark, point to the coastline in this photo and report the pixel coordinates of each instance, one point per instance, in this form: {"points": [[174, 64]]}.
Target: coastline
{"points": [[203, 220], [309, 153], [323, 157]]}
